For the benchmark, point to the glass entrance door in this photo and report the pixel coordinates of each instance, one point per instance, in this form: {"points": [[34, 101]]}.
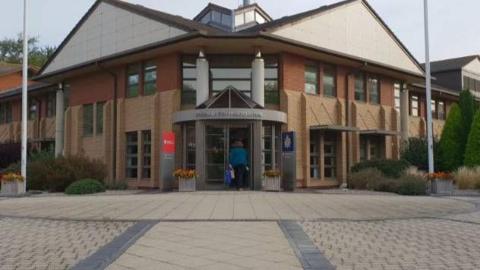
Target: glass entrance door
{"points": [[219, 139]]}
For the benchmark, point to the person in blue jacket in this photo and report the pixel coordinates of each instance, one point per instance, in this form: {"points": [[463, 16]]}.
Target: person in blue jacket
{"points": [[239, 161]]}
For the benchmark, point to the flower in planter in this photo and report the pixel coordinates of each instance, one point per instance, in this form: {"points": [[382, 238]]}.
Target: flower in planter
{"points": [[185, 173], [272, 173], [439, 176], [12, 177]]}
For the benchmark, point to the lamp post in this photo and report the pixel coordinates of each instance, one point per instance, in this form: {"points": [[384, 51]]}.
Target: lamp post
{"points": [[24, 97], [431, 168]]}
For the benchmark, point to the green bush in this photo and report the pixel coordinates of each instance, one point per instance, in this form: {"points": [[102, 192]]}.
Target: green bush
{"points": [[411, 185], [472, 152], [416, 153], [389, 168], [368, 179], [85, 186], [468, 108], [451, 147], [57, 174]]}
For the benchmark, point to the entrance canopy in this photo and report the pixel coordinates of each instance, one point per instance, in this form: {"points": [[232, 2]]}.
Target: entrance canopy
{"points": [[230, 104]]}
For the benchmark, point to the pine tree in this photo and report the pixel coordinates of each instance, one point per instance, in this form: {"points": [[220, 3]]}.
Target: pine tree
{"points": [[468, 108], [472, 153], [450, 147]]}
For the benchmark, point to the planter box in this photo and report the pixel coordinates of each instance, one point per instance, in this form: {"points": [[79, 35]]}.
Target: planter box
{"points": [[187, 184], [441, 187], [12, 187], [272, 184]]}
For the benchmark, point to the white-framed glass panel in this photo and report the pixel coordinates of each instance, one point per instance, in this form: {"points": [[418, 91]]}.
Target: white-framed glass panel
{"points": [[149, 78], [396, 93], [329, 85], [132, 154], [133, 80], [189, 80], [360, 87], [311, 79], [414, 106], [315, 155], [374, 90]]}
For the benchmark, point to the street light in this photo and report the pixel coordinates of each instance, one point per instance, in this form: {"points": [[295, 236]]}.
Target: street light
{"points": [[24, 97], [431, 168]]}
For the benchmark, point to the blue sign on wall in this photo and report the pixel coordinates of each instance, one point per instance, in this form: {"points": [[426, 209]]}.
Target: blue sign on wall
{"points": [[288, 142]]}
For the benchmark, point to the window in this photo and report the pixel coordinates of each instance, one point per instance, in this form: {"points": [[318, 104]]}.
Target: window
{"points": [[315, 155], [132, 154], [360, 87], [99, 118], [149, 78], [363, 148], [371, 148], [396, 93], [441, 110], [189, 85], [433, 106], [270, 150], [329, 86], [231, 71], [330, 156], [51, 101], [133, 81], [88, 120], [272, 95], [374, 90], [147, 153], [190, 147], [5, 113], [311, 79], [33, 109], [414, 106]]}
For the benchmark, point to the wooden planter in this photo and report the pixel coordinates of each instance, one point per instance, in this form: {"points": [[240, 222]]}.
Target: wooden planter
{"points": [[187, 184], [441, 187], [12, 187], [272, 183]]}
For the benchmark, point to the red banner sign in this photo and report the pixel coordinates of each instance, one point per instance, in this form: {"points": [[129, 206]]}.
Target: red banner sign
{"points": [[168, 143]]}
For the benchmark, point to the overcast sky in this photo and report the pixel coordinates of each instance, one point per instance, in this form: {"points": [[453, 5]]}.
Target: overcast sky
{"points": [[455, 25]]}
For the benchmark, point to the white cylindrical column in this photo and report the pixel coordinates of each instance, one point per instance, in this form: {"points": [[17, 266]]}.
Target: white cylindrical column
{"points": [[404, 108], [203, 78], [258, 80], [59, 121]]}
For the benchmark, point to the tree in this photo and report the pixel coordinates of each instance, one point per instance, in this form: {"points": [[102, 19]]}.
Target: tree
{"points": [[451, 148], [467, 108], [472, 153], [416, 153], [11, 51]]}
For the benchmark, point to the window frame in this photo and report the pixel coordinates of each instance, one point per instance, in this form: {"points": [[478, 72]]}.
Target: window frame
{"points": [[363, 92], [397, 103], [149, 67], [333, 69], [146, 145], [131, 156], [414, 98], [376, 90], [88, 127], [51, 105], [99, 117], [312, 68]]}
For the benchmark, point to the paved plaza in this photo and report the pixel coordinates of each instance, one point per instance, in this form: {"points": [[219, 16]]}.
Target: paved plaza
{"points": [[239, 230]]}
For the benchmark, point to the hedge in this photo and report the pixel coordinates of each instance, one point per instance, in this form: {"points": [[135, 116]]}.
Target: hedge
{"points": [[472, 154], [85, 186], [451, 146], [390, 168]]}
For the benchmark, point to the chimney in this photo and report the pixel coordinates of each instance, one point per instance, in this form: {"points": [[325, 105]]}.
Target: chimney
{"points": [[246, 2]]}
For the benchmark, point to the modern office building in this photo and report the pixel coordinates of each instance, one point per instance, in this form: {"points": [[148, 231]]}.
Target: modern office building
{"points": [[146, 92]]}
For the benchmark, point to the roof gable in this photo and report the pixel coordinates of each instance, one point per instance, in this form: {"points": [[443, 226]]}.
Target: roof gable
{"points": [[229, 98], [351, 27], [452, 63], [473, 66], [112, 27]]}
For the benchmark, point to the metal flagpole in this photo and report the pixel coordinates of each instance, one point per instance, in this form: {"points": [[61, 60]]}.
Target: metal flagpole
{"points": [[24, 96], [431, 168]]}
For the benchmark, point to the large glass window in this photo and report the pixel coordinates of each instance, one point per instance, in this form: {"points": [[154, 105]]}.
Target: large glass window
{"points": [[33, 109], [51, 101], [99, 117], [396, 91], [441, 110], [272, 95], [190, 147], [149, 78], [315, 155], [189, 75], [231, 71], [330, 156], [88, 120], [311, 79], [329, 85], [374, 90], [132, 154], [270, 150], [147, 154], [133, 80], [360, 87], [414, 106], [5, 113]]}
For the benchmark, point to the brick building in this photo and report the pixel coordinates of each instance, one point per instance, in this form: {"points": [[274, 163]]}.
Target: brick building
{"points": [[127, 76]]}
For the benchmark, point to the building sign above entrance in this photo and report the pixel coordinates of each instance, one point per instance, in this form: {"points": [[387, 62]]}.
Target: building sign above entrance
{"points": [[230, 114]]}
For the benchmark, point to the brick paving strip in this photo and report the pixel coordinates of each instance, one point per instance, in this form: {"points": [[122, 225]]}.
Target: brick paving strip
{"points": [[306, 251], [111, 251]]}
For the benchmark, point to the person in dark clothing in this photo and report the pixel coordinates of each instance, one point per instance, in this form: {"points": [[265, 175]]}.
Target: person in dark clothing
{"points": [[239, 161]]}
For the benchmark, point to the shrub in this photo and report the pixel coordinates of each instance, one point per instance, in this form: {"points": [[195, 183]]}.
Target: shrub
{"points": [[368, 179], [85, 186], [389, 168], [472, 151], [411, 185], [451, 148], [468, 108], [57, 174], [416, 153], [467, 178]]}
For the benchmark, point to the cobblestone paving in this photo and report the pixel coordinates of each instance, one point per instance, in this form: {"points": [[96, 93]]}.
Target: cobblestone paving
{"points": [[401, 244], [210, 245], [45, 244], [232, 206]]}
